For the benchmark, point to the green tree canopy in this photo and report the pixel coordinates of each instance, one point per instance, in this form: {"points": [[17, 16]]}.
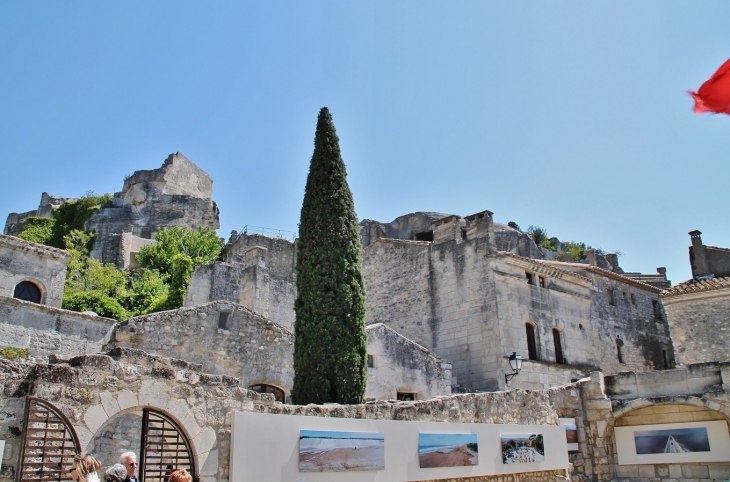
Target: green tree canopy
{"points": [[201, 246], [330, 353]]}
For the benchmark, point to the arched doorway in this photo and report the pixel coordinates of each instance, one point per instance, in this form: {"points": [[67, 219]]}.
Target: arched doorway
{"points": [[27, 291], [164, 448], [50, 443]]}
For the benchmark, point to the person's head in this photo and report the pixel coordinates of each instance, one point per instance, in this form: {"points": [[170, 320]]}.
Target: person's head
{"points": [[129, 460], [83, 466], [116, 473], [181, 475]]}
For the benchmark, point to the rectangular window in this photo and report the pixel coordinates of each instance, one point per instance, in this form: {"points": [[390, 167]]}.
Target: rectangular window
{"points": [[530, 278], [633, 299], [626, 298], [223, 320], [619, 346], [531, 342], [666, 359], [406, 396], [657, 308], [611, 298], [558, 342], [371, 361], [542, 282]]}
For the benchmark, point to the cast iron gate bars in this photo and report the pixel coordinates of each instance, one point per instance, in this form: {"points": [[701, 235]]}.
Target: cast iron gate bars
{"points": [[50, 443], [164, 448]]}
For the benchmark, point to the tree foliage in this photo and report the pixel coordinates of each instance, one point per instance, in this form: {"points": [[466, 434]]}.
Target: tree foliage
{"points": [[38, 230], [201, 246], [330, 353]]}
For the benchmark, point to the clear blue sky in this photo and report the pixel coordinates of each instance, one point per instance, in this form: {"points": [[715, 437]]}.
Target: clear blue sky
{"points": [[568, 115]]}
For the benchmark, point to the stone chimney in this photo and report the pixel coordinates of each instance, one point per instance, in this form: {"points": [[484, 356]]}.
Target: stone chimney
{"points": [[662, 271], [592, 256], [447, 229], [481, 225], [698, 256]]}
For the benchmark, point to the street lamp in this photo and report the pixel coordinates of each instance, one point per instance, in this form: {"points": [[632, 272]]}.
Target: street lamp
{"points": [[515, 362]]}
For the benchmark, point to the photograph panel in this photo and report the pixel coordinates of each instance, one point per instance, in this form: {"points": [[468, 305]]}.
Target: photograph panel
{"points": [[678, 440], [324, 451], [523, 448], [447, 450]]}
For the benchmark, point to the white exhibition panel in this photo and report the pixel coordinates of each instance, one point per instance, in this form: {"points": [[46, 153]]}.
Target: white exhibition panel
{"points": [[265, 447], [717, 432]]}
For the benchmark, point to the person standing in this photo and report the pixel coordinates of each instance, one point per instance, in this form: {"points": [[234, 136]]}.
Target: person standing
{"points": [[129, 460]]}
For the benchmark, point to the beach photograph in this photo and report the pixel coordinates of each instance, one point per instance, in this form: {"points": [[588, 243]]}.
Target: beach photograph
{"points": [[322, 451], [522, 448], [678, 440], [447, 450]]}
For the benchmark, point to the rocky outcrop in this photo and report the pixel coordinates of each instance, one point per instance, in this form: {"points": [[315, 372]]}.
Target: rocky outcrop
{"points": [[177, 194]]}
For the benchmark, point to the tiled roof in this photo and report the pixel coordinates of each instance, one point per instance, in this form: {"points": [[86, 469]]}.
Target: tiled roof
{"points": [[697, 286], [604, 272]]}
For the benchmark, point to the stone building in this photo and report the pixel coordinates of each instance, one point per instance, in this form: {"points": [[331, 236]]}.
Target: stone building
{"points": [[698, 310], [15, 222], [474, 294], [31, 271], [257, 272], [231, 340]]}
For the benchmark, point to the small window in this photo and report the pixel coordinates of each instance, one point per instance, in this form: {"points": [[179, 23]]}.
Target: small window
{"points": [[633, 299], [27, 291], [276, 391], [665, 356], [223, 320], [463, 234], [405, 396], [657, 308], [626, 298], [531, 341], [530, 278], [619, 351], [611, 298], [371, 361], [542, 281], [558, 342], [424, 236]]}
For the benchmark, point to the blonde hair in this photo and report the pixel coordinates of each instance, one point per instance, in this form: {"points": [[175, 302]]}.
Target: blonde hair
{"points": [[84, 465], [181, 475]]}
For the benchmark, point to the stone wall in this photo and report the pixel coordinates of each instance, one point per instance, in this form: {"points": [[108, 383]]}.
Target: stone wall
{"points": [[399, 288], [280, 258], [45, 330], [98, 393], [41, 265], [247, 283], [401, 365], [249, 347], [700, 325]]}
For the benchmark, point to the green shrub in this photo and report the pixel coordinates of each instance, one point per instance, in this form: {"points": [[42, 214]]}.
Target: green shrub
{"points": [[11, 353], [38, 230], [96, 301]]}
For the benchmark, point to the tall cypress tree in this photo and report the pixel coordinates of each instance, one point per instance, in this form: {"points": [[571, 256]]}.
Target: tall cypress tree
{"points": [[330, 347]]}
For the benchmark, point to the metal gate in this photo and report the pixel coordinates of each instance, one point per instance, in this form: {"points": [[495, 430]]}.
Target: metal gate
{"points": [[50, 443], [164, 448]]}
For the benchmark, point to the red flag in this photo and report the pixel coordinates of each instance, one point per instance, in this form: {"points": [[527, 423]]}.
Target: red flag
{"points": [[714, 95]]}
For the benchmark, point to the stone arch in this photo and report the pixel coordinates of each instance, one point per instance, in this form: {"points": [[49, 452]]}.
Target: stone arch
{"points": [[117, 408], [639, 406], [30, 290]]}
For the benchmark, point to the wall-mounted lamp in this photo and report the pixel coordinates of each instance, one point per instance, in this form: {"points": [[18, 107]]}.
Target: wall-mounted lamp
{"points": [[515, 362]]}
